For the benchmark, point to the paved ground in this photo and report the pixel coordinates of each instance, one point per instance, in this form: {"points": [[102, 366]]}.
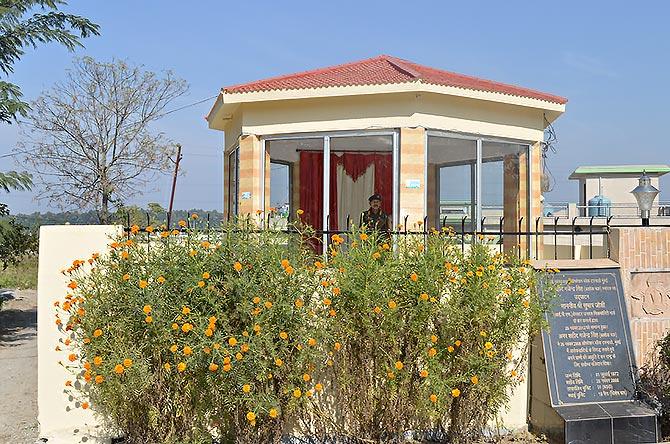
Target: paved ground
{"points": [[18, 367]]}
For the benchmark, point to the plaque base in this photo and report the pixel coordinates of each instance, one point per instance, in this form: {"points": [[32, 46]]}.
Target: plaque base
{"points": [[625, 422]]}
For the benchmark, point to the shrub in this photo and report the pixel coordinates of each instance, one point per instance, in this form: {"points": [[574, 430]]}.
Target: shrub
{"points": [[655, 382], [245, 335]]}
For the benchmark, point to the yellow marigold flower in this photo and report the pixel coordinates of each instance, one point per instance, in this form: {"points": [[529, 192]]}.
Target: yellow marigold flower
{"points": [[267, 304], [257, 328], [329, 363], [149, 319], [182, 223], [216, 346], [306, 377], [232, 341], [386, 246], [392, 304], [186, 327], [513, 373], [457, 343], [474, 380], [376, 255], [201, 284], [327, 302], [423, 297], [146, 309], [244, 348], [208, 332], [278, 362], [187, 350], [134, 229], [149, 229], [118, 369], [256, 300], [283, 335], [126, 277], [97, 360], [181, 367], [299, 303], [433, 398], [489, 354], [337, 346], [363, 236], [194, 216], [526, 303], [160, 279], [311, 341], [483, 334], [251, 416], [432, 352], [238, 356], [273, 412], [185, 310], [318, 387], [423, 373], [97, 333], [390, 375], [175, 326], [399, 365], [237, 267], [289, 270], [173, 348], [300, 212], [488, 345], [227, 367], [167, 366], [491, 267], [297, 393], [450, 349], [414, 277], [127, 362], [455, 393], [246, 388], [377, 309]]}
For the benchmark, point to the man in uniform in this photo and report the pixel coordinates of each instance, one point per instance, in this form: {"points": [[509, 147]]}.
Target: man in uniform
{"points": [[374, 217]]}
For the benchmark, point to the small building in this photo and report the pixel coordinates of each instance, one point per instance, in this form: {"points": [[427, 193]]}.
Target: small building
{"points": [[441, 148], [615, 183]]}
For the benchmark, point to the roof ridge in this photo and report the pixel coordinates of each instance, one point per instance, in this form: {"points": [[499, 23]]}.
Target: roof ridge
{"points": [[402, 66], [304, 73]]}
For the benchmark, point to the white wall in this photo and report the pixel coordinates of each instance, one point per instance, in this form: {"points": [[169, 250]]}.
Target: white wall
{"points": [[61, 421]]}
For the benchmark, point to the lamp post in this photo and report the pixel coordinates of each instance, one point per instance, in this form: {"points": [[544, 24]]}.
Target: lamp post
{"points": [[645, 193]]}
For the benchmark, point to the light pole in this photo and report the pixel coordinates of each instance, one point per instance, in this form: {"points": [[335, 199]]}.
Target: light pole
{"points": [[645, 193]]}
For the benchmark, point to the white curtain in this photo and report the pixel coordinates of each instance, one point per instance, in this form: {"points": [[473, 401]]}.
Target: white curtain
{"points": [[352, 197]]}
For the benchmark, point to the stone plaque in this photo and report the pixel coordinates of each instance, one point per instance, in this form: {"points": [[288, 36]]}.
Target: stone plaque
{"points": [[588, 348]]}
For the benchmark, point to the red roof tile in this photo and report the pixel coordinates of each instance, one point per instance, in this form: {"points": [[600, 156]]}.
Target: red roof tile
{"points": [[383, 70]]}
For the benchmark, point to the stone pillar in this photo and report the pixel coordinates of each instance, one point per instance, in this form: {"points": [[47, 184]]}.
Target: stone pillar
{"points": [[250, 175], [644, 257], [412, 186], [226, 185]]}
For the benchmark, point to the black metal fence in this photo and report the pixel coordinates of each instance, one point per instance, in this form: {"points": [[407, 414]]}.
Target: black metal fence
{"points": [[539, 241]]}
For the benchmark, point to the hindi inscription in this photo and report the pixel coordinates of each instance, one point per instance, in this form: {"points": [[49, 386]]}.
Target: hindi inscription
{"points": [[588, 349]]}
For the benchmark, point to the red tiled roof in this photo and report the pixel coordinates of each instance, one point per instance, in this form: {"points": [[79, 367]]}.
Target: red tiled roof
{"points": [[383, 70]]}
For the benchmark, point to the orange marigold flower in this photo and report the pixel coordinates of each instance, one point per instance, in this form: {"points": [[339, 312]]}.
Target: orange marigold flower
{"points": [[84, 405], [392, 304], [232, 341], [337, 346], [216, 346], [318, 387], [72, 357], [205, 275], [167, 366], [268, 304], [336, 290], [160, 279], [118, 369], [87, 365], [327, 302], [237, 267], [149, 319], [187, 350], [227, 367], [99, 379], [273, 412], [205, 244], [238, 356], [97, 333], [185, 310], [146, 309], [432, 352], [181, 367], [414, 277], [208, 332], [251, 416], [399, 365], [278, 362], [376, 255], [256, 300], [457, 343], [526, 303], [213, 367], [72, 285], [433, 398], [149, 229], [311, 341], [363, 236], [182, 223], [423, 373], [332, 313], [299, 303], [283, 335], [455, 393], [474, 380], [127, 362], [297, 393], [289, 270], [450, 349], [377, 309], [124, 255], [186, 327], [134, 229], [246, 388], [285, 263], [143, 284], [68, 383], [257, 328], [306, 377], [126, 277], [423, 297], [390, 375], [97, 360], [201, 284]]}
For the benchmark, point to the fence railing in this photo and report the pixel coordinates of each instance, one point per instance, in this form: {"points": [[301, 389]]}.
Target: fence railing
{"points": [[544, 238]]}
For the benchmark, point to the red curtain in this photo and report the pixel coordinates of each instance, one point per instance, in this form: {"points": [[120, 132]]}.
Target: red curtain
{"points": [[355, 165]]}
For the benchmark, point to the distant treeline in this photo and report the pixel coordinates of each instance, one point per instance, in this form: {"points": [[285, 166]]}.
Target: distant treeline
{"points": [[157, 216]]}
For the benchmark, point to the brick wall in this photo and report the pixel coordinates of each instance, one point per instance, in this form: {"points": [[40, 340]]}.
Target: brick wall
{"points": [[644, 257], [250, 173]]}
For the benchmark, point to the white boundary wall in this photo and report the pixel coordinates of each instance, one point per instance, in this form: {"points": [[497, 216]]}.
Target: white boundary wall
{"points": [[59, 418]]}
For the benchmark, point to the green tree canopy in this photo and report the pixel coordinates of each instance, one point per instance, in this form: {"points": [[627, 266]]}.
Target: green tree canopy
{"points": [[21, 27]]}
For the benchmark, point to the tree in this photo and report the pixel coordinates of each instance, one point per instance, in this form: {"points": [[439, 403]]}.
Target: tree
{"points": [[13, 180], [91, 143], [16, 240], [20, 28]]}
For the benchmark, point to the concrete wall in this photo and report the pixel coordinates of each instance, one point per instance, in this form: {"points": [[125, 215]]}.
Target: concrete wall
{"points": [[61, 419]]}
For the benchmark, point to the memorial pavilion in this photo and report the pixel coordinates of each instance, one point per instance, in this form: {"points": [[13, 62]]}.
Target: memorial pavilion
{"points": [[438, 146]]}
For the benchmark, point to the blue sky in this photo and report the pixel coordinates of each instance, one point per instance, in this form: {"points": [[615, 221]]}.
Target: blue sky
{"points": [[609, 58]]}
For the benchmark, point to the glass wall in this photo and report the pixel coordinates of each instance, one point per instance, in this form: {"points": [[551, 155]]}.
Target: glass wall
{"points": [[452, 169]]}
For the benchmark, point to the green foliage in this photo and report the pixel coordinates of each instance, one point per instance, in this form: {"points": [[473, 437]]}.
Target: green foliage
{"points": [[16, 242], [245, 335], [13, 180], [655, 382], [21, 28], [20, 276]]}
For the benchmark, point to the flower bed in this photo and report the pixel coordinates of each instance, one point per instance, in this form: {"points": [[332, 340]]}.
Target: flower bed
{"points": [[245, 336]]}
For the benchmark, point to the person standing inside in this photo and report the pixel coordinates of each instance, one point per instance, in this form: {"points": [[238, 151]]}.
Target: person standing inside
{"points": [[374, 218]]}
